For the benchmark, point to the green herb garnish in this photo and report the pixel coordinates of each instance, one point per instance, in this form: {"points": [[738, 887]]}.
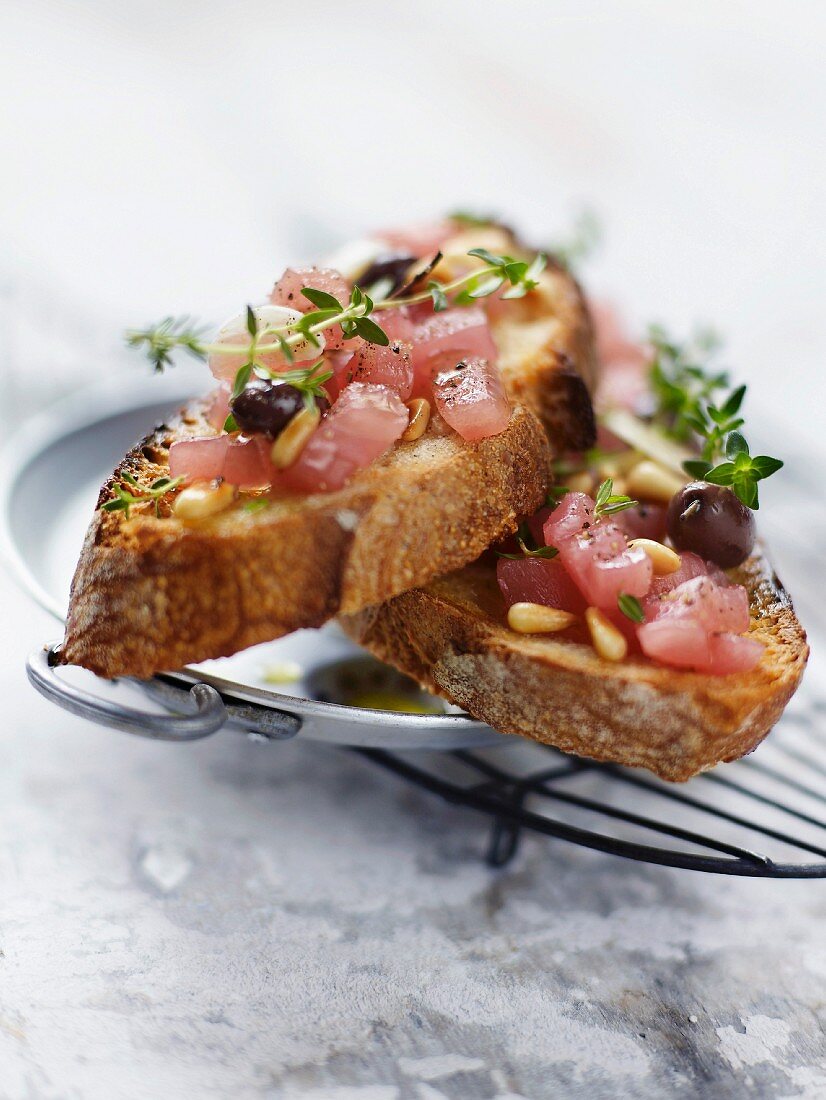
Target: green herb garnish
{"points": [[608, 502], [526, 552], [125, 498], [631, 607], [682, 382], [741, 471], [524, 540], [520, 274], [355, 317], [438, 296], [161, 340], [309, 381], [688, 406], [258, 504], [242, 377], [471, 220]]}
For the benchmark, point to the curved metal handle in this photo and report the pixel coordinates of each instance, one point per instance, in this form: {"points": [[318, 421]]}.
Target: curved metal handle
{"points": [[210, 715], [259, 721]]}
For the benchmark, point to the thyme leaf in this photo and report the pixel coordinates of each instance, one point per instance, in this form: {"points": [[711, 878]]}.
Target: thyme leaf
{"points": [[742, 472], [125, 499], [321, 299], [631, 607], [526, 552], [242, 377], [523, 540], [608, 502], [438, 296], [555, 494]]}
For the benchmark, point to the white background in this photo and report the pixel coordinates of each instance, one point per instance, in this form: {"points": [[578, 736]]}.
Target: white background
{"points": [[172, 157]]}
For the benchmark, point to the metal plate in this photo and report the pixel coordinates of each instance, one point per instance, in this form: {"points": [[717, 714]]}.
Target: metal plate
{"points": [[75, 445]]}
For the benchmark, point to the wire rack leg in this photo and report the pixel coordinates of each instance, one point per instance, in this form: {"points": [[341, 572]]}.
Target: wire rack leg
{"points": [[505, 833]]}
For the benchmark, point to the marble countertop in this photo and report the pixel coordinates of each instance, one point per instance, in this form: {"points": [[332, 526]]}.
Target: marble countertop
{"points": [[286, 921]]}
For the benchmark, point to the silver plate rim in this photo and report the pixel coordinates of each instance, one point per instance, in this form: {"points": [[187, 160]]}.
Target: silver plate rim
{"points": [[111, 396]]}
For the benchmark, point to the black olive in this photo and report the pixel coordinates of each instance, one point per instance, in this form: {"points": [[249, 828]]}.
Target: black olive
{"points": [[391, 265], [268, 407], [712, 522]]}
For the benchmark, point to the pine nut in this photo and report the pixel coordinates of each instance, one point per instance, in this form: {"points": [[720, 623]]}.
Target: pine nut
{"points": [[295, 436], [663, 558], [419, 419], [614, 465], [203, 499], [536, 618], [608, 641], [651, 481], [579, 483]]}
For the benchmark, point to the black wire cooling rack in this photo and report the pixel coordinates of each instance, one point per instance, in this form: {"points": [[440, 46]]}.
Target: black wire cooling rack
{"points": [[762, 817]]}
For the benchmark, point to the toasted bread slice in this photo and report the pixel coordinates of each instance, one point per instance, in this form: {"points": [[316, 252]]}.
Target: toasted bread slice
{"points": [[153, 593], [452, 636]]}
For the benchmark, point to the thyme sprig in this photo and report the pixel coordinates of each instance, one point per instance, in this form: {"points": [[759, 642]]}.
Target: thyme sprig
{"points": [[169, 335], [741, 471], [160, 341], [500, 270], [309, 381], [690, 406], [355, 317], [608, 503], [125, 499], [682, 382], [526, 550], [584, 239]]}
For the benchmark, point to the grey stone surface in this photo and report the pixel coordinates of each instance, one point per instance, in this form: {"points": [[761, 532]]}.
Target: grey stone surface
{"points": [[226, 919]]}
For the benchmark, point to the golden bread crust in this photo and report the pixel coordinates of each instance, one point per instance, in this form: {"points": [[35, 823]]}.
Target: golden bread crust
{"points": [[155, 593], [548, 360], [452, 636]]}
